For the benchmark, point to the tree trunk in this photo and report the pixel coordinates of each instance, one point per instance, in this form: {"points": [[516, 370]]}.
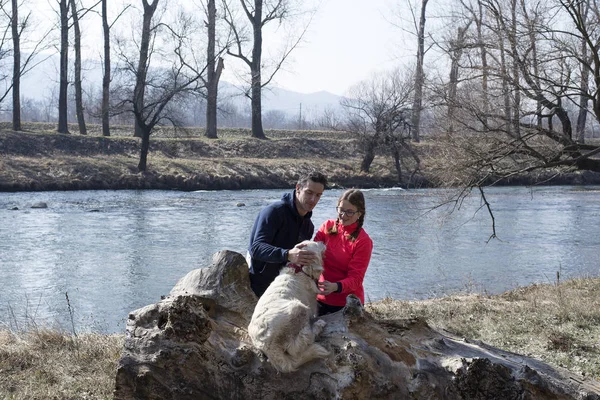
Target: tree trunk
{"points": [[368, 157], [213, 74], [452, 87], [505, 87], [484, 66], [78, 89], [106, 77], [16, 88], [516, 106], [64, 68], [211, 102], [419, 76], [455, 55], [396, 155], [415, 157], [141, 129], [142, 165], [142, 69], [583, 100], [531, 27], [255, 70]]}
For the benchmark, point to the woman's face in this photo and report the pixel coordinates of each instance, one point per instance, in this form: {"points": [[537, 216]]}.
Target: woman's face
{"points": [[348, 213]]}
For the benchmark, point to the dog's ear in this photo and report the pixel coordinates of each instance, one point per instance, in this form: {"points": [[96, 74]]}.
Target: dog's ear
{"points": [[320, 251], [314, 271], [322, 247]]}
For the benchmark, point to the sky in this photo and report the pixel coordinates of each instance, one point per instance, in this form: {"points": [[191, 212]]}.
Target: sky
{"points": [[346, 42]]}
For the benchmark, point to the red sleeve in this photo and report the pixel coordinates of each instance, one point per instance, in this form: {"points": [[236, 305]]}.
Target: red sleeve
{"points": [[357, 268], [322, 232]]}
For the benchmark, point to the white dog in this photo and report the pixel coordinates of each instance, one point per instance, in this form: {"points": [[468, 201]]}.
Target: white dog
{"points": [[281, 323]]}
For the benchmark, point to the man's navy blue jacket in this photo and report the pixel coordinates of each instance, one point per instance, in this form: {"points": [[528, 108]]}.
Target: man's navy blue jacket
{"points": [[278, 228]]}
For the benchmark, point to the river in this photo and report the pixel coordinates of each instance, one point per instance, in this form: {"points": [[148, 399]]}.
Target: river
{"points": [[112, 252]]}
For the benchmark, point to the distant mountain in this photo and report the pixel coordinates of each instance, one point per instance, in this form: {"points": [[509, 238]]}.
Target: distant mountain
{"points": [[41, 83], [290, 101]]}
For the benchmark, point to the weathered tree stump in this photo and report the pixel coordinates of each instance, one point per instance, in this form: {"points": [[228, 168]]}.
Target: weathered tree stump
{"points": [[193, 344]]}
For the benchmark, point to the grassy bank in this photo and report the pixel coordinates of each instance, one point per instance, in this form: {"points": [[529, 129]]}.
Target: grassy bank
{"points": [[557, 323], [39, 159]]}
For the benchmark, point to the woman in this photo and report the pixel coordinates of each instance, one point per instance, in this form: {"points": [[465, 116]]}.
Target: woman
{"points": [[347, 255]]}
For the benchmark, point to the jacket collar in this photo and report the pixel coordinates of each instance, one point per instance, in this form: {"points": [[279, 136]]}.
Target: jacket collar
{"points": [[290, 201], [347, 229]]}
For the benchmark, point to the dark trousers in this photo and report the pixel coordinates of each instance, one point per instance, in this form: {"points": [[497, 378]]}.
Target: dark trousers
{"points": [[258, 286], [328, 309]]}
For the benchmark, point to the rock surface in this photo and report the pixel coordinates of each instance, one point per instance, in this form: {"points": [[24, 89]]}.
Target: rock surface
{"points": [[193, 344]]}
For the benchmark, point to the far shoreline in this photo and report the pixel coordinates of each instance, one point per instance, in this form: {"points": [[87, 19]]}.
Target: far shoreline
{"points": [[40, 160], [154, 181]]}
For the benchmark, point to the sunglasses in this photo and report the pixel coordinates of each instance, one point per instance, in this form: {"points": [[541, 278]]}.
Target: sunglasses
{"points": [[348, 213]]}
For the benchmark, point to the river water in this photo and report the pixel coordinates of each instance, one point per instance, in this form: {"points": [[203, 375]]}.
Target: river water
{"points": [[112, 252]]}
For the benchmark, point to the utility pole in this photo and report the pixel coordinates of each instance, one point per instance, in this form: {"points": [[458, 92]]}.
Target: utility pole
{"points": [[300, 118]]}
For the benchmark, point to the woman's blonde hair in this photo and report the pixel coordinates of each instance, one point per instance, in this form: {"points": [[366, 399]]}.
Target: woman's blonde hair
{"points": [[357, 199]]}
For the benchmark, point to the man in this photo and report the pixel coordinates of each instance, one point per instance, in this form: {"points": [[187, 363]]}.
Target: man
{"points": [[279, 228]]}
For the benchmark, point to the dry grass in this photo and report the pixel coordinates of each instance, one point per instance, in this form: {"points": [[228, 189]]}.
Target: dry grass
{"points": [[47, 364], [49, 161], [173, 132], [559, 324]]}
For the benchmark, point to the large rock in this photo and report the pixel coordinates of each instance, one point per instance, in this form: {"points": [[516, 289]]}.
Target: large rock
{"points": [[193, 344]]}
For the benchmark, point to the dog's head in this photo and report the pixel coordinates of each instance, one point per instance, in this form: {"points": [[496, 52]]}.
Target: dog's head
{"points": [[314, 270]]}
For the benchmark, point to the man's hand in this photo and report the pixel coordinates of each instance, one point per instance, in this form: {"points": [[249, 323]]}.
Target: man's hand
{"points": [[327, 287], [299, 256]]}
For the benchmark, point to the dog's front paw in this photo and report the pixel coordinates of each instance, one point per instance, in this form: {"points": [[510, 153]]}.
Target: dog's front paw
{"points": [[318, 326]]}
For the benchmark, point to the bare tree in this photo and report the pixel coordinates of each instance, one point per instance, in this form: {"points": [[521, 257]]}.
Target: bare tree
{"points": [[259, 13], [586, 16], [502, 31], [213, 72], [537, 54], [419, 73], [18, 27], [16, 81], [64, 68], [77, 83], [274, 119], [77, 71], [106, 72], [479, 21], [378, 111], [141, 74], [329, 119], [106, 76], [455, 52], [159, 88], [515, 76], [533, 18]]}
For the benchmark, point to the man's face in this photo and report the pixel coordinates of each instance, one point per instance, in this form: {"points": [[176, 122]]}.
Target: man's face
{"points": [[308, 196]]}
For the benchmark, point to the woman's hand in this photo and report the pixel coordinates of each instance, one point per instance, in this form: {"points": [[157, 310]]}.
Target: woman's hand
{"points": [[327, 287]]}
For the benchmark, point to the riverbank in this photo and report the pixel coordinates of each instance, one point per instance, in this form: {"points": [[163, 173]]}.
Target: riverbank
{"points": [[39, 159], [45, 160], [557, 323]]}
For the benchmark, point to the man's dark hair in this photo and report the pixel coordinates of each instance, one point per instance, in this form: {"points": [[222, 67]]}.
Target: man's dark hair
{"points": [[314, 176]]}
